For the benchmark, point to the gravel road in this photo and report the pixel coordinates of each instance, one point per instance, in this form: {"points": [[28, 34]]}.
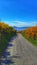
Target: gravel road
{"points": [[26, 53], [22, 52]]}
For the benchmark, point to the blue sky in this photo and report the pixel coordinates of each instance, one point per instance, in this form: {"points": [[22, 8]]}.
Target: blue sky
{"points": [[19, 12]]}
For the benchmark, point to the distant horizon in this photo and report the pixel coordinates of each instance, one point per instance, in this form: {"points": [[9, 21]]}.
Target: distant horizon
{"points": [[21, 24]]}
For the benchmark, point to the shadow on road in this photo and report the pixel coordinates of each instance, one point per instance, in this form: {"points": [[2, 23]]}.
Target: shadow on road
{"points": [[6, 58]]}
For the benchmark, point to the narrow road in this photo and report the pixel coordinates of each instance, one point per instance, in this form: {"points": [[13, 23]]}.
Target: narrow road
{"points": [[22, 52], [26, 53]]}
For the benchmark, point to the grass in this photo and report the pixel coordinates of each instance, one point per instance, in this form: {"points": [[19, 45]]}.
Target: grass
{"points": [[6, 33], [34, 42], [4, 40], [3, 44]]}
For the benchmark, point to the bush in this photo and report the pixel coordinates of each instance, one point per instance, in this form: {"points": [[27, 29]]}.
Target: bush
{"points": [[6, 32]]}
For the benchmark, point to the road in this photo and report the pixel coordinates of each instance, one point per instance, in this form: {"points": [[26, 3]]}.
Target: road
{"points": [[26, 53], [22, 52]]}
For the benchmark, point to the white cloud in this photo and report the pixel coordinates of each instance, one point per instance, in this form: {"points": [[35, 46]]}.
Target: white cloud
{"points": [[21, 24]]}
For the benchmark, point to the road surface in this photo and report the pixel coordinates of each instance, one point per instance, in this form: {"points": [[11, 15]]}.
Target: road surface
{"points": [[22, 52], [26, 53]]}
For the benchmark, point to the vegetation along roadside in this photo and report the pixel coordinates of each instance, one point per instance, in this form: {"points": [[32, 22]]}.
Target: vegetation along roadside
{"points": [[6, 33], [31, 34]]}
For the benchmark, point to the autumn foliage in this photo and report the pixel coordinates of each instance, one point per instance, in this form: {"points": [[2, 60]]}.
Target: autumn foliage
{"points": [[6, 27], [31, 32], [6, 33]]}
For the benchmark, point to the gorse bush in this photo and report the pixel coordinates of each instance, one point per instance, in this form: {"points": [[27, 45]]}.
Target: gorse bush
{"points": [[31, 34], [6, 32]]}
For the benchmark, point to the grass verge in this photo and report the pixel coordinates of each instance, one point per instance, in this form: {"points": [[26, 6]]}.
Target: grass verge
{"points": [[34, 42]]}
